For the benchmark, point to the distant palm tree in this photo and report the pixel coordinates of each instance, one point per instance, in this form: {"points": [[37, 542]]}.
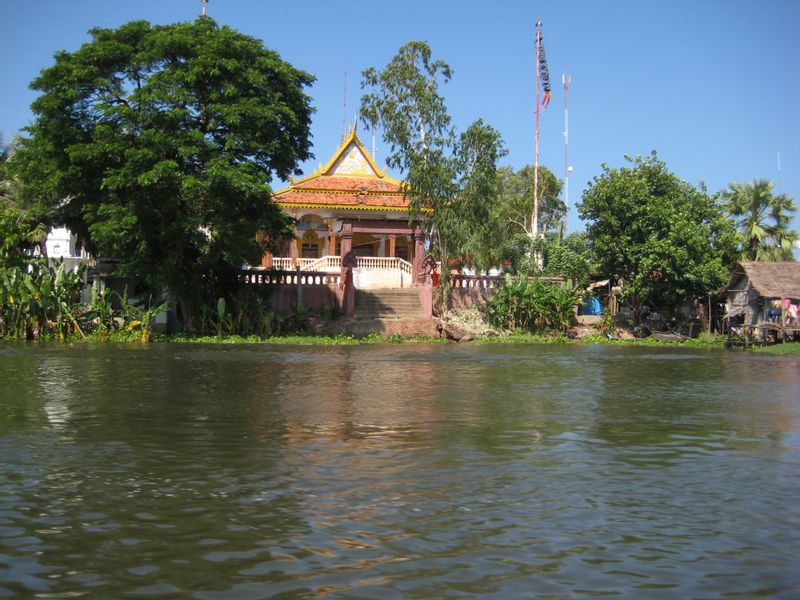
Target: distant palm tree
{"points": [[762, 220]]}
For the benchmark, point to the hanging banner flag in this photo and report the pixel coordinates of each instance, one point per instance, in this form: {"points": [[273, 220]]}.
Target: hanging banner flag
{"points": [[544, 74]]}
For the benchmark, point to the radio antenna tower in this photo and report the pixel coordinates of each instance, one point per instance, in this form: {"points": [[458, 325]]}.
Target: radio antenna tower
{"points": [[566, 80]]}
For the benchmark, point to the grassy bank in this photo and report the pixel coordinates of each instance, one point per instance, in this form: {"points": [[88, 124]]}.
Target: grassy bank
{"points": [[787, 349], [285, 340], [703, 341]]}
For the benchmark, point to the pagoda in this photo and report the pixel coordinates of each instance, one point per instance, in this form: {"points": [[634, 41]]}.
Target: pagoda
{"points": [[349, 205]]}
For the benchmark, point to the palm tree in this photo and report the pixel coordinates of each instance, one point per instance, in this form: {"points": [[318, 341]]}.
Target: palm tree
{"points": [[762, 220]]}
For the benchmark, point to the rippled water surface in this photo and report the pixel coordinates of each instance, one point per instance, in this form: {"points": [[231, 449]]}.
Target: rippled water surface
{"points": [[410, 471]]}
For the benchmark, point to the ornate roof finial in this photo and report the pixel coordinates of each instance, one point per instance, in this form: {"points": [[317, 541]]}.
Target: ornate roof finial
{"points": [[204, 7]]}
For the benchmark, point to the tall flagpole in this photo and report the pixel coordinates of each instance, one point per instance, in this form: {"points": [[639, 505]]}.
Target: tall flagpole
{"points": [[535, 216], [542, 85], [566, 80]]}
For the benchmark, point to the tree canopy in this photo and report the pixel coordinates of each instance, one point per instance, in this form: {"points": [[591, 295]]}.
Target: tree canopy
{"points": [[666, 240], [156, 143], [452, 174], [762, 220], [515, 200], [515, 244]]}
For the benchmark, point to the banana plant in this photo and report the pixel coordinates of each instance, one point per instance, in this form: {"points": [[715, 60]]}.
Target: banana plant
{"points": [[141, 317]]}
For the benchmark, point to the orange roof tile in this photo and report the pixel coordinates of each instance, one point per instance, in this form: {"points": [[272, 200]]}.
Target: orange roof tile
{"points": [[322, 199], [348, 184]]}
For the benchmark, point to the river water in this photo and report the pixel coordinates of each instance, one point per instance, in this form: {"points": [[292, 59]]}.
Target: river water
{"points": [[397, 471]]}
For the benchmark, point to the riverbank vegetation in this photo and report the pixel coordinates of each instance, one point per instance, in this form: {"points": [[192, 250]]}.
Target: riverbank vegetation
{"points": [[532, 306], [787, 349], [703, 341]]}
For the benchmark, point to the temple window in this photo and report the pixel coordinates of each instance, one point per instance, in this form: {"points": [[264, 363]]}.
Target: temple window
{"points": [[311, 245]]}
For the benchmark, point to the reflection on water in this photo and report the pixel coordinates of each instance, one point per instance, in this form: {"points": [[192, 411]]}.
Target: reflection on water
{"points": [[397, 472]]}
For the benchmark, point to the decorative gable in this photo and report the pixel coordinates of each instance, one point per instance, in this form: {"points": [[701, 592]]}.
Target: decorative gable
{"points": [[352, 161], [349, 181], [351, 158]]}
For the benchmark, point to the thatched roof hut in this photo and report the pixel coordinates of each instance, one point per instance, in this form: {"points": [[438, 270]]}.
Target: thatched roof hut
{"points": [[754, 286]]}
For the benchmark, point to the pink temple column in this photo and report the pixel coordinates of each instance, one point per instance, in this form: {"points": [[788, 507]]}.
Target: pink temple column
{"points": [[293, 248], [348, 260], [345, 238], [331, 243], [419, 253]]}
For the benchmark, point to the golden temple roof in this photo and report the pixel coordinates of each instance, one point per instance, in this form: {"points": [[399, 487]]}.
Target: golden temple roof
{"points": [[350, 180]]}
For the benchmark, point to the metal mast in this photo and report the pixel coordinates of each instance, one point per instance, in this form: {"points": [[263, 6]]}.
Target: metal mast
{"points": [[566, 80], [542, 85], [535, 216]]}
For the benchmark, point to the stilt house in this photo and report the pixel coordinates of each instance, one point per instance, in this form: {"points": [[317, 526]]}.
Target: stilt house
{"points": [[763, 293]]}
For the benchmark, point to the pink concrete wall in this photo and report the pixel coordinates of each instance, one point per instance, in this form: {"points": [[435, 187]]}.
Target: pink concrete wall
{"points": [[283, 297], [468, 290], [288, 290], [469, 297]]}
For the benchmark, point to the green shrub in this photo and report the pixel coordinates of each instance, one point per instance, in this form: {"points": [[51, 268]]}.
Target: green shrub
{"points": [[532, 306], [39, 302]]}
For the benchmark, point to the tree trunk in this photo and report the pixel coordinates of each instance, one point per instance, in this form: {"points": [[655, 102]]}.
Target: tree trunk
{"points": [[188, 315]]}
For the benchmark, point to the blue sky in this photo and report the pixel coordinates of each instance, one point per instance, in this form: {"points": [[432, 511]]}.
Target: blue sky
{"points": [[712, 86]]}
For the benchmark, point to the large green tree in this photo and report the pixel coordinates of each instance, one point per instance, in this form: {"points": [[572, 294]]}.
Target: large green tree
{"points": [[762, 220], [450, 178], [155, 144], [515, 200], [665, 239], [570, 257], [512, 214]]}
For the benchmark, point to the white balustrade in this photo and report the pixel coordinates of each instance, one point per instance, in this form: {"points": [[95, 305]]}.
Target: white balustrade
{"points": [[384, 263], [370, 271], [282, 264], [273, 277], [326, 263]]}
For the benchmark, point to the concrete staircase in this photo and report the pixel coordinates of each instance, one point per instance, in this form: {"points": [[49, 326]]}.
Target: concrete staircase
{"points": [[397, 303]]}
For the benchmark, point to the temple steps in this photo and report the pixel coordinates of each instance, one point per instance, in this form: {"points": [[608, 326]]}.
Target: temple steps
{"points": [[396, 303]]}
